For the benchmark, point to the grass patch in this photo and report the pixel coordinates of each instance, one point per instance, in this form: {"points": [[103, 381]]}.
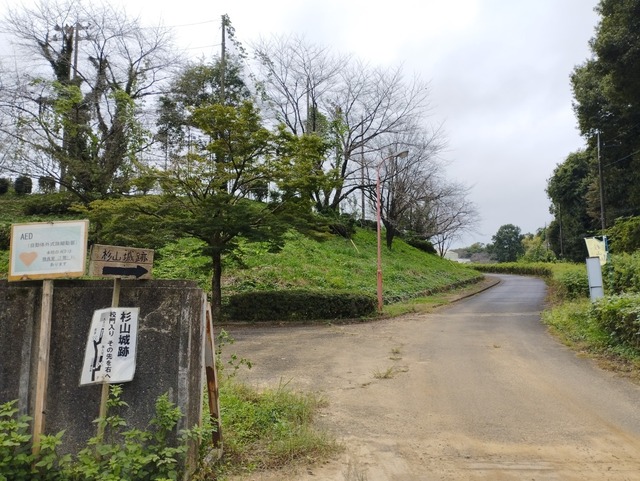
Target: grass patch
{"points": [[387, 373], [338, 263], [572, 324], [267, 430], [396, 354]]}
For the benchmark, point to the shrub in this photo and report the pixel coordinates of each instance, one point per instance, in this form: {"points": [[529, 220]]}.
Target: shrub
{"points": [[421, 244], [342, 225], [573, 284], [23, 185], [620, 317], [59, 203], [298, 305], [121, 453], [17, 461], [4, 185], [523, 269], [5, 236], [622, 273], [47, 184], [624, 235]]}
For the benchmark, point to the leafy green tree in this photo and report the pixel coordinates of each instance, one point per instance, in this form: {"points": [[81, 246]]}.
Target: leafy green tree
{"points": [[214, 194], [197, 85], [507, 243], [624, 235], [606, 90], [568, 189], [536, 247]]}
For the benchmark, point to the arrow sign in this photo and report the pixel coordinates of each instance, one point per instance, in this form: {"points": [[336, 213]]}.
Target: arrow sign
{"points": [[137, 271], [117, 261]]}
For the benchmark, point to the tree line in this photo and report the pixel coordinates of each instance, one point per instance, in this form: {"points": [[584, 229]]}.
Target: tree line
{"points": [[597, 188]]}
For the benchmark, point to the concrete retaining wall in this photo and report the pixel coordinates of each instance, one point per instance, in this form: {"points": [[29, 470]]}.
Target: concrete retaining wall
{"points": [[170, 351]]}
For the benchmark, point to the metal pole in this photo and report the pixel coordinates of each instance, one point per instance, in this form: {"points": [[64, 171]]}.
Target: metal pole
{"points": [[378, 215], [602, 219]]}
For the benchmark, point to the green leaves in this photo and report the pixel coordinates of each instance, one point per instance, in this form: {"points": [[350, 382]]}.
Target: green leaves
{"points": [[17, 461], [123, 454], [619, 316]]}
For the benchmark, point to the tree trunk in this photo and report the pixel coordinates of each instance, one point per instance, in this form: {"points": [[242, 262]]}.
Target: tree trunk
{"points": [[216, 288], [390, 233]]}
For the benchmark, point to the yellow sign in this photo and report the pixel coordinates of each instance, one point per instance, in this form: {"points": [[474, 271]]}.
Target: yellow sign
{"points": [[48, 250], [597, 248]]}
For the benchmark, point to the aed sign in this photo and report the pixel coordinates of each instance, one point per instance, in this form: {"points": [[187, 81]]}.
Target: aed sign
{"points": [[48, 250], [110, 355]]}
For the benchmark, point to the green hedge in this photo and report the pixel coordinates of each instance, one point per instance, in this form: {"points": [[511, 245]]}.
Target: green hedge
{"points": [[541, 269], [619, 316], [298, 305], [58, 203], [623, 273], [572, 284]]}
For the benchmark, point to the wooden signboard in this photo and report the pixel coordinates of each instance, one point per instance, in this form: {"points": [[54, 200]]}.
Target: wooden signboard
{"points": [[120, 262]]}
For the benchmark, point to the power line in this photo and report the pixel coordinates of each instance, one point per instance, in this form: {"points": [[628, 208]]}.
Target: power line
{"points": [[181, 25], [623, 158]]}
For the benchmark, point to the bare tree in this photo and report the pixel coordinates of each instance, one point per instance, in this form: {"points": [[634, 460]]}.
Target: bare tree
{"points": [[447, 217], [406, 181], [76, 113], [353, 105], [295, 77]]}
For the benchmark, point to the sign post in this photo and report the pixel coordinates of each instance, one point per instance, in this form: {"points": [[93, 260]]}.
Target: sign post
{"points": [[118, 262], [46, 250], [212, 381]]}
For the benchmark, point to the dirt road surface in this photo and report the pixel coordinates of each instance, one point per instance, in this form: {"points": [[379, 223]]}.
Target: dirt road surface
{"points": [[475, 391]]}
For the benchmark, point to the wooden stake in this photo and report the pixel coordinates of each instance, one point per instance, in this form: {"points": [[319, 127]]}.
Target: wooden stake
{"points": [[42, 370], [212, 381], [104, 395]]}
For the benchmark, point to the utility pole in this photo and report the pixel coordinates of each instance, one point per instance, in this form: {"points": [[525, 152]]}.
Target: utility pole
{"points": [[362, 196], [602, 218], [223, 59]]}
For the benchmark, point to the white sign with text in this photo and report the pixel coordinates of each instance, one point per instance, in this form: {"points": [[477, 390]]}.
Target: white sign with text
{"points": [[110, 356], [48, 250]]}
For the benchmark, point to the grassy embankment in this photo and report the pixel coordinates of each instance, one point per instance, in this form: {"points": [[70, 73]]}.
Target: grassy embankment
{"points": [[411, 277], [574, 320]]}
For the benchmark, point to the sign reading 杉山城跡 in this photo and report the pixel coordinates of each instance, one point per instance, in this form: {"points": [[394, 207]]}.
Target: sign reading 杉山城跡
{"points": [[110, 356], [48, 250]]}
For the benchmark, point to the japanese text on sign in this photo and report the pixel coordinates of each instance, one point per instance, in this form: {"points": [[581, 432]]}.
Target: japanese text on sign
{"points": [[121, 262], [110, 355], [46, 250]]}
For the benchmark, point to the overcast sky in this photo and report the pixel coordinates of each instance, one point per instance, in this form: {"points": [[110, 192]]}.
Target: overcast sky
{"points": [[498, 72]]}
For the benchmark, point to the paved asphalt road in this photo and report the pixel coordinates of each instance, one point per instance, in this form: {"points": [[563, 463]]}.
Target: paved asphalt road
{"points": [[477, 391]]}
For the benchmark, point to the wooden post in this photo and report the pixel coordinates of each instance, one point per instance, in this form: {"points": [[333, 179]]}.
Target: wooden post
{"points": [[212, 381], [42, 370], [104, 395]]}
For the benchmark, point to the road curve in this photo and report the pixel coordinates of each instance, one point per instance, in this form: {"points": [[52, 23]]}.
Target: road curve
{"points": [[476, 391]]}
